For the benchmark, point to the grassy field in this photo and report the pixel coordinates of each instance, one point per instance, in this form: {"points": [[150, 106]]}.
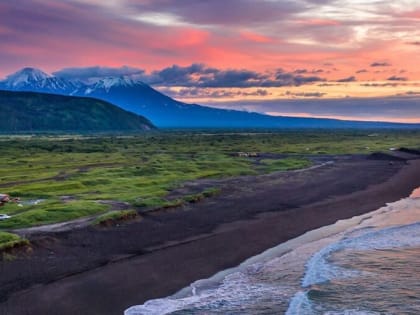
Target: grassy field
{"points": [[70, 174]]}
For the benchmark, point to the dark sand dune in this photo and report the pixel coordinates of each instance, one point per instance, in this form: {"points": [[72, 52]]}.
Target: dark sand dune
{"points": [[104, 271]]}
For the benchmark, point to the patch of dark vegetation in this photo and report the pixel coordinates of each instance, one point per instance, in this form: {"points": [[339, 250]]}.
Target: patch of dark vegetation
{"points": [[411, 151], [385, 156], [115, 217], [10, 243], [209, 192]]}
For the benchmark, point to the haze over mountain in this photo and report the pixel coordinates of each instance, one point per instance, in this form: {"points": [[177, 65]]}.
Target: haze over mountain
{"points": [[138, 97], [41, 112]]}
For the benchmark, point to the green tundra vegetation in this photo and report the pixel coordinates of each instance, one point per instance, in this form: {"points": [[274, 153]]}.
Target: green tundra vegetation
{"points": [[60, 178]]}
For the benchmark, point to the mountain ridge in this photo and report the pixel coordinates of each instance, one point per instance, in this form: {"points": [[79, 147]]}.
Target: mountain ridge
{"points": [[138, 97], [42, 112]]}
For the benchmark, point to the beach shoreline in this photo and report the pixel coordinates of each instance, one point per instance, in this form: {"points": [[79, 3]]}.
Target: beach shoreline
{"points": [[66, 274]]}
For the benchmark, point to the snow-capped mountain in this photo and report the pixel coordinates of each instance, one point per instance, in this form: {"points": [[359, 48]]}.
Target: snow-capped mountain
{"points": [[106, 84], [35, 80], [129, 94], [26, 76], [163, 111]]}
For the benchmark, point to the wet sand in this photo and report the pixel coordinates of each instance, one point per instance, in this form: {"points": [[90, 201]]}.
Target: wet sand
{"points": [[104, 271]]}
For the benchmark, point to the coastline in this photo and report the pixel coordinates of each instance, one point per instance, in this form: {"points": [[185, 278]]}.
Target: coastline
{"points": [[160, 268], [276, 281]]}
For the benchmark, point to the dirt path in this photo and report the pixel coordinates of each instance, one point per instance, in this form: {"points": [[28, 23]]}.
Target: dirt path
{"points": [[73, 224]]}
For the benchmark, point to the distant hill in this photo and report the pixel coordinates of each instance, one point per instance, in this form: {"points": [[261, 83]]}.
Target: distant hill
{"points": [[38, 112], [163, 111]]}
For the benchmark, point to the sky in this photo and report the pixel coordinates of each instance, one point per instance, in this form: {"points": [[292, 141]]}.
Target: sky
{"points": [[227, 53]]}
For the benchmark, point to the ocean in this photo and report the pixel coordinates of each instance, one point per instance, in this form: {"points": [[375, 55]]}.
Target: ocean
{"points": [[368, 264]]}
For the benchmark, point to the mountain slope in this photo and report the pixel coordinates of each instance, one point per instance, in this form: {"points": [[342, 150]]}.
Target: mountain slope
{"points": [[29, 111], [163, 111], [166, 112]]}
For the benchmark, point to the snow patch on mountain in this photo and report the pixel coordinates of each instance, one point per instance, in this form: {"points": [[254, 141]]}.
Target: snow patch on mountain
{"points": [[109, 82], [31, 79], [26, 76]]}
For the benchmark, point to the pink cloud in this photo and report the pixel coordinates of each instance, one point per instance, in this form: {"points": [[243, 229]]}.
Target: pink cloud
{"points": [[415, 14], [255, 37], [319, 22], [55, 34]]}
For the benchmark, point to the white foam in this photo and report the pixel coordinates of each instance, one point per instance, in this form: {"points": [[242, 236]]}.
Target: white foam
{"points": [[394, 226], [238, 290], [300, 304], [319, 269], [389, 227]]}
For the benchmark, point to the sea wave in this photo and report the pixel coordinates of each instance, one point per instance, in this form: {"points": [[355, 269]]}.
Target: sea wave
{"points": [[280, 280], [320, 269], [394, 227]]}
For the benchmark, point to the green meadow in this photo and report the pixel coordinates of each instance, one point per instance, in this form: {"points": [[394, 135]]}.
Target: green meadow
{"points": [[69, 176]]}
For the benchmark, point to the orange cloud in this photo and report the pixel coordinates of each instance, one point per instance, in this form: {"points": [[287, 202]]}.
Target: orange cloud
{"points": [[413, 120]]}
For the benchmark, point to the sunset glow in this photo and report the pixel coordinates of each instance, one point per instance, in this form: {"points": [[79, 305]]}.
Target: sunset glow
{"points": [[213, 52]]}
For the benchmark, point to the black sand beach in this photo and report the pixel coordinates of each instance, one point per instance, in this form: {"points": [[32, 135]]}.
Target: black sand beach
{"points": [[104, 271]]}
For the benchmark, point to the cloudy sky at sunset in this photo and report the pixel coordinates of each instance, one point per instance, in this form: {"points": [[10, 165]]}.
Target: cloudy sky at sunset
{"points": [[228, 53]]}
